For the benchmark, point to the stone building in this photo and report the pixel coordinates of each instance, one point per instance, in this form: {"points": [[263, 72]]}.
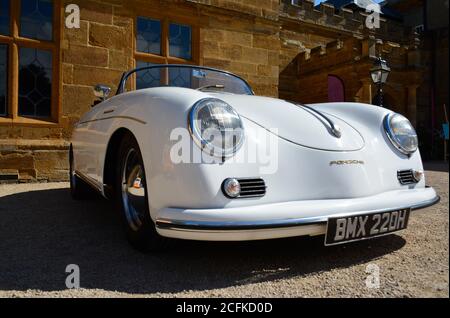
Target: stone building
{"points": [[289, 49]]}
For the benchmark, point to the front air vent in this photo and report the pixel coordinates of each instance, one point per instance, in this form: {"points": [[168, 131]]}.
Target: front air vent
{"points": [[252, 187], [406, 177]]}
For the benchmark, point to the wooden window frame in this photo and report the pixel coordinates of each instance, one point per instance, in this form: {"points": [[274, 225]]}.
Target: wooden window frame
{"points": [[14, 42], [165, 57]]}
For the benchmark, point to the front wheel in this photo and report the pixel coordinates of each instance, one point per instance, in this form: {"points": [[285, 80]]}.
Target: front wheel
{"points": [[132, 199]]}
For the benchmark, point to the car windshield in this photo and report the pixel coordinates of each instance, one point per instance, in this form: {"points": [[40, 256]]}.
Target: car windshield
{"points": [[194, 77]]}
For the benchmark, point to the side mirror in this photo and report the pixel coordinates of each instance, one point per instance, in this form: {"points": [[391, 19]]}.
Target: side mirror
{"points": [[102, 91]]}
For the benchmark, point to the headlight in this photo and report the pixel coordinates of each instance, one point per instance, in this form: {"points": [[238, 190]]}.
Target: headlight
{"points": [[401, 133], [216, 127]]}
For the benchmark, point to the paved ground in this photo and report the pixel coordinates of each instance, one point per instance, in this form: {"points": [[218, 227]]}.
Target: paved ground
{"points": [[42, 231]]}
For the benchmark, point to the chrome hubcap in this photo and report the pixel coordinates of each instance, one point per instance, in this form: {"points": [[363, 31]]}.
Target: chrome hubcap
{"points": [[133, 190]]}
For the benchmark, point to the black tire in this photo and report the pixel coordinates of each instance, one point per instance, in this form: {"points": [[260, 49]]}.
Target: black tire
{"points": [[79, 190], [132, 199]]}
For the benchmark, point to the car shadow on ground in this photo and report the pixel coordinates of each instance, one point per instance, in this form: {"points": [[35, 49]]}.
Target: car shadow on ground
{"points": [[41, 232]]}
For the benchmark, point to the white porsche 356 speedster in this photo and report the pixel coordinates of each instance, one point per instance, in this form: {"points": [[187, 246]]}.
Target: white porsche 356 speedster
{"points": [[190, 152]]}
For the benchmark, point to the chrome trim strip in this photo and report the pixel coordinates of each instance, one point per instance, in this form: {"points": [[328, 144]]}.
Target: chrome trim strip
{"points": [[334, 129], [230, 226], [390, 135], [89, 181], [113, 117], [426, 204]]}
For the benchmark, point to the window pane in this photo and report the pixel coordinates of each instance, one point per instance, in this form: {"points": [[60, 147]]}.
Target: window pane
{"points": [[36, 18], [4, 17], [148, 36], [35, 82], [147, 78], [180, 38], [180, 77], [3, 79]]}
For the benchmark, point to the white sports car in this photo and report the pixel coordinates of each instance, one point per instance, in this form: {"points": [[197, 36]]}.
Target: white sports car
{"points": [[190, 152]]}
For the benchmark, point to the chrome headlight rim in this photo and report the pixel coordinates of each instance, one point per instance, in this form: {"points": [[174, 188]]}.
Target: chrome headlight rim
{"points": [[392, 136], [196, 134]]}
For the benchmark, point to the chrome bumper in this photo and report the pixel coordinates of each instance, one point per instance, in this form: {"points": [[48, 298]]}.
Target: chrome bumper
{"points": [[238, 230]]}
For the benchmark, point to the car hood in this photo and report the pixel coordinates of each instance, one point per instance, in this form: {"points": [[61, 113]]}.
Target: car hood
{"points": [[295, 123]]}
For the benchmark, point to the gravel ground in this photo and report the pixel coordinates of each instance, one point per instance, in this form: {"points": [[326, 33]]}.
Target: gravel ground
{"points": [[42, 231]]}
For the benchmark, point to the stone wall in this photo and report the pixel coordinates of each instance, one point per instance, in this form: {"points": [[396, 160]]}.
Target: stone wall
{"points": [[350, 60], [247, 47], [283, 48], [268, 9], [238, 36], [98, 52], [33, 160], [102, 49], [339, 58]]}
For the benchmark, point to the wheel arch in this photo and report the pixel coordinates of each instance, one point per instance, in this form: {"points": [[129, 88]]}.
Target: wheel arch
{"points": [[111, 159]]}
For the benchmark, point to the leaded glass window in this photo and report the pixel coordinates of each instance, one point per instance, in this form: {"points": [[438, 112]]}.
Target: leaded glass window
{"points": [[180, 77], [4, 17], [27, 88], [35, 82], [148, 36], [180, 41], [36, 19], [147, 78], [165, 41]]}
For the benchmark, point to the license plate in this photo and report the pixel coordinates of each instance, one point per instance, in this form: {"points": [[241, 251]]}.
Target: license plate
{"points": [[344, 229]]}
